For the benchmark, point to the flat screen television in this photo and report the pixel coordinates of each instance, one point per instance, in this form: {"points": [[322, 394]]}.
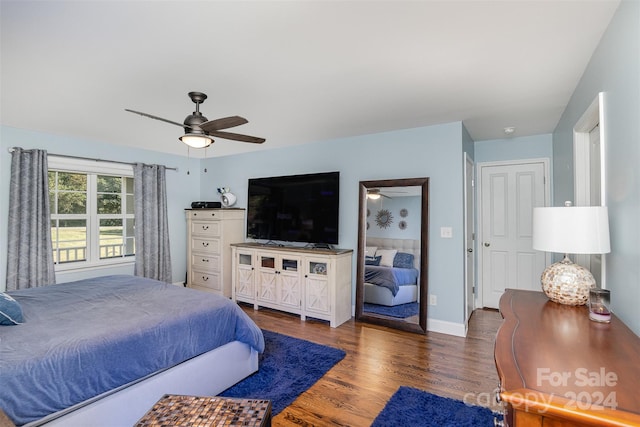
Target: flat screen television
{"points": [[294, 208]]}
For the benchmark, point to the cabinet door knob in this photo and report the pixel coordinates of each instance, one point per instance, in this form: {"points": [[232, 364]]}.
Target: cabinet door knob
{"points": [[487, 244]]}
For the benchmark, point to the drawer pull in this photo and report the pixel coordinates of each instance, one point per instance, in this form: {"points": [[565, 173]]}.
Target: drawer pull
{"points": [[497, 422], [205, 260], [205, 278], [205, 227], [205, 244]]}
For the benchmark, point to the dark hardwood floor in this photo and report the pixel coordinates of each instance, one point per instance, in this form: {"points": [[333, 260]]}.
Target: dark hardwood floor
{"points": [[379, 360]]}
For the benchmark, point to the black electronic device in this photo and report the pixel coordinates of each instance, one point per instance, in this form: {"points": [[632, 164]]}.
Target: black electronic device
{"points": [[294, 208], [205, 205]]}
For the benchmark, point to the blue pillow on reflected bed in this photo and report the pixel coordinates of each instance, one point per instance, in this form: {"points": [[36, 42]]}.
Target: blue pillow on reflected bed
{"points": [[372, 260], [403, 260], [10, 310]]}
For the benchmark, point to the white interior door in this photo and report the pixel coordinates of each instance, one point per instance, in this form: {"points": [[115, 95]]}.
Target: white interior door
{"points": [[589, 175], [469, 232], [509, 192]]}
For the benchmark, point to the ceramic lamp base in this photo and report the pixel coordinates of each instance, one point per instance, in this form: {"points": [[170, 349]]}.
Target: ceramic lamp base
{"points": [[567, 283]]}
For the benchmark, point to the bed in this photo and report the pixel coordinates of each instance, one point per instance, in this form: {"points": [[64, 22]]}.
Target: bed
{"points": [[102, 351], [392, 271]]}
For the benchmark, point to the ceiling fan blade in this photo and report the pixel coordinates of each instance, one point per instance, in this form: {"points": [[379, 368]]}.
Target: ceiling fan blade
{"points": [[237, 137], [157, 118], [223, 123]]}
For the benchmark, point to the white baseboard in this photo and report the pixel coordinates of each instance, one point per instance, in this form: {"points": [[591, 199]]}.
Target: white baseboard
{"points": [[440, 326], [444, 327]]}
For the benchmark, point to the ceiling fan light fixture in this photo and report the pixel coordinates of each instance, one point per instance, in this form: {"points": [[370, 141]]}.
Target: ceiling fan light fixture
{"points": [[196, 140], [373, 196]]}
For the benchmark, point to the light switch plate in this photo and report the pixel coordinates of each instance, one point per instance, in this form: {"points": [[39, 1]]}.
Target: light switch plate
{"points": [[446, 232]]}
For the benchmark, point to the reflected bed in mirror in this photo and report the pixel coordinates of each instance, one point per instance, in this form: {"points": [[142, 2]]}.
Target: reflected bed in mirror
{"points": [[392, 253]]}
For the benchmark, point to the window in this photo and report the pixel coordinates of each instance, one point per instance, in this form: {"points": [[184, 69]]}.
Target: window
{"points": [[92, 220]]}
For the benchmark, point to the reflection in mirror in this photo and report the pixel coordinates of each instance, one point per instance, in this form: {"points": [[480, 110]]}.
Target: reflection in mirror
{"points": [[392, 253]]}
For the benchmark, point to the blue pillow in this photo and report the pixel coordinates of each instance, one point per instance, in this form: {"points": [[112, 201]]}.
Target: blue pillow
{"points": [[10, 310], [403, 260], [372, 260]]}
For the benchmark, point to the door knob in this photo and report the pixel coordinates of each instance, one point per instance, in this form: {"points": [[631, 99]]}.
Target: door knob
{"points": [[487, 244], [470, 250]]}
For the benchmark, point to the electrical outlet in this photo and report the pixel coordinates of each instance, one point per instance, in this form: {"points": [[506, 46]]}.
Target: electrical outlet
{"points": [[433, 300]]}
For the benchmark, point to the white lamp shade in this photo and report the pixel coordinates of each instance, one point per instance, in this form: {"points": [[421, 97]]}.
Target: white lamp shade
{"points": [[571, 229], [196, 140]]}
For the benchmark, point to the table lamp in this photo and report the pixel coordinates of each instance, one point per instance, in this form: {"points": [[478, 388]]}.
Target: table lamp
{"points": [[570, 230]]}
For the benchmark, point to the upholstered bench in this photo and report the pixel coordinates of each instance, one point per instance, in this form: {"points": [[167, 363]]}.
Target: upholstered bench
{"points": [[193, 411]]}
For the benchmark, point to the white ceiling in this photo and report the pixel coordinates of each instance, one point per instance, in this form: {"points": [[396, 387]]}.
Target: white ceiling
{"points": [[299, 71]]}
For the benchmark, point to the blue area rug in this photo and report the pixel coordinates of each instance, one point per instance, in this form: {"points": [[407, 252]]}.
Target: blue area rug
{"points": [[288, 367], [413, 407], [401, 310]]}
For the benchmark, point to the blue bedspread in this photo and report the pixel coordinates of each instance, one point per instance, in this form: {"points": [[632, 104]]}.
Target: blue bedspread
{"points": [[390, 277], [84, 338]]}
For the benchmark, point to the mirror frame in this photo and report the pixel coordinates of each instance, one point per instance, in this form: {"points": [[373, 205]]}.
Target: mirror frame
{"points": [[361, 315]]}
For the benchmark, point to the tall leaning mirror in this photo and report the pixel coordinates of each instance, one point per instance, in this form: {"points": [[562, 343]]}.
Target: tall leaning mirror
{"points": [[392, 275]]}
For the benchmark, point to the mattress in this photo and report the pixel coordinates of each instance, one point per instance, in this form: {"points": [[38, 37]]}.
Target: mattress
{"points": [[83, 338]]}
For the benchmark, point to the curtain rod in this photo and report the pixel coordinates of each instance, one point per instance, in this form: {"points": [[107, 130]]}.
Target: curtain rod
{"points": [[66, 156]]}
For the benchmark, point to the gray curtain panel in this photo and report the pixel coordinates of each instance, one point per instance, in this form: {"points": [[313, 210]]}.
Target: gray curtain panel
{"points": [[153, 258], [29, 248]]}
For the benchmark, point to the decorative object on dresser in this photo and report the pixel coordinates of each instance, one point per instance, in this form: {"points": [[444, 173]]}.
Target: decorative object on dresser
{"points": [[309, 282], [210, 233], [599, 305], [206, 205], [227, 198], [570, 230], [558, 368]]}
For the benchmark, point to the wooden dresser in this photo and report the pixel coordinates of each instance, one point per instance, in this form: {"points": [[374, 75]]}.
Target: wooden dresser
{"points": [[558, 368]]}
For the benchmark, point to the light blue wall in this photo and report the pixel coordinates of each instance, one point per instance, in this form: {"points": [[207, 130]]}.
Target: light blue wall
{"points": [[394, 205], [525, 147], [182, 189], [615, 70], [434, 152]]}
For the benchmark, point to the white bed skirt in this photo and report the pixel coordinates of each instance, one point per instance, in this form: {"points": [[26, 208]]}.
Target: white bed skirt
{"points": [[380, 295], [206, 375]]}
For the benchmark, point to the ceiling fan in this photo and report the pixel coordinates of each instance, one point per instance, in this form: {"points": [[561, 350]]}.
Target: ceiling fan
{"points": [[375, 193], [199, 130]]}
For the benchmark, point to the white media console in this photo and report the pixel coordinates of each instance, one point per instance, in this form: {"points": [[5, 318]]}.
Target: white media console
{"points": [[310, 282]]}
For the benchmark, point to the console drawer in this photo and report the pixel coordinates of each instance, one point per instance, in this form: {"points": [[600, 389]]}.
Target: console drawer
{"points": [[205, 262], [207, 246], [207, 280], [205, 228]]}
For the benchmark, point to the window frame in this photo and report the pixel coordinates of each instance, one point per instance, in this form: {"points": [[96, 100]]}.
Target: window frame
{"points": [[92, 167]]}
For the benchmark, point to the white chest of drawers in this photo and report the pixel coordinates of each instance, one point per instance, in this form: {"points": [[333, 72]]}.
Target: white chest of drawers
{"points": [[210, 233]]}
